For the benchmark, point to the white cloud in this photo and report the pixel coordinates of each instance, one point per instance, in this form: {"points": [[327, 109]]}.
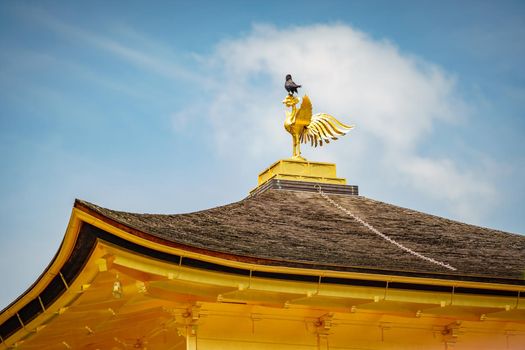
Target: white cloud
{"points": [[442, 179], [395, 99]]}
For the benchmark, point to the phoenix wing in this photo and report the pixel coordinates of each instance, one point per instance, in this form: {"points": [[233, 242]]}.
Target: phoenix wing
{"points": [[322, 128], [304, 114]]}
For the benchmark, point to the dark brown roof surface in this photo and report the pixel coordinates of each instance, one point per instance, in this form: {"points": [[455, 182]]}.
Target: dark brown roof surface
{"points": [[293, 228]]}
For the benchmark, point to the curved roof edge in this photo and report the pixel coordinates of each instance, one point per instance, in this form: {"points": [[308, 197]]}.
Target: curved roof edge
{"points": [[86, 227]]}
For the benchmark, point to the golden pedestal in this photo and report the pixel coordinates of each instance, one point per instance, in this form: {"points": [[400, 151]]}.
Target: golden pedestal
{"points": [[301, 170]]}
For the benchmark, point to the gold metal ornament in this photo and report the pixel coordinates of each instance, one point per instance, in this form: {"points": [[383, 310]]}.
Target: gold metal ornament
{"points": [[305, 127]]}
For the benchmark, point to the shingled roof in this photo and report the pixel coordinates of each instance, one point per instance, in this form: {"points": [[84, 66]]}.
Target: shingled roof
{"points": [[301, 229]]}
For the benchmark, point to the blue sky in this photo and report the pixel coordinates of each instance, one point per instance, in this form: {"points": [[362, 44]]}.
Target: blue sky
{"points": [[172, 107]]}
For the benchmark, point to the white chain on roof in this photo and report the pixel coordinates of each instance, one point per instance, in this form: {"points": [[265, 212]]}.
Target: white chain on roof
{"points": [[385, 237]]}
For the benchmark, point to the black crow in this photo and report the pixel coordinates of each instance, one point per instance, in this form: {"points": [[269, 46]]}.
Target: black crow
{"points": [[290, 86]]}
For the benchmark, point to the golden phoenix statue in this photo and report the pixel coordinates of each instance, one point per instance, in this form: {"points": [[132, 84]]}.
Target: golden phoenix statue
{"points": [[305, 127]]}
